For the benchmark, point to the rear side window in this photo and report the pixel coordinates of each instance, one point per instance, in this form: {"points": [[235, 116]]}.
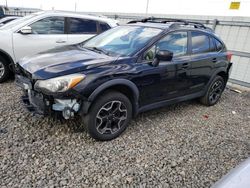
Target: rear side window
{"points": [[51, 25], [200, 43], [82, 26], [212, 45], [219, 45], [104, 27]]}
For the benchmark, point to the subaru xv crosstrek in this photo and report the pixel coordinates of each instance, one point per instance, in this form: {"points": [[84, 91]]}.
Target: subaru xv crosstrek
{"points": [[110, 78]]}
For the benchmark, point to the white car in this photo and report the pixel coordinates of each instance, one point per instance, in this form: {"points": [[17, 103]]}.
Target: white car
{"points": [[7, 19], [43, 31]]}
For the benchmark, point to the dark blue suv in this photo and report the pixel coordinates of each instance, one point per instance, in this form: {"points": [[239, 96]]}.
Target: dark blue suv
{"points": [[124, 71]]}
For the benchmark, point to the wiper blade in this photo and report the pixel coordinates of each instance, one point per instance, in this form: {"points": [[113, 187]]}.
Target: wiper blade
{"points": [[100, 50]]}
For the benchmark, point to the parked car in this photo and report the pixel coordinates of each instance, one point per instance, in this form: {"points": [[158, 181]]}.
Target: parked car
{"points": [[43, 31], [2, 11], [7, 19], [124, 71], [236, 178]]}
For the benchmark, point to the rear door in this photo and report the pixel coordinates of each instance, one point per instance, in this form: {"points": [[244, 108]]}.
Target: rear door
{"points": [[80, 29], [47, 33], [203, 60]]}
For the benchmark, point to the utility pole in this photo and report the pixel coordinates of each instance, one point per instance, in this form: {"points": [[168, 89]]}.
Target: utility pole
{"points": [[75, 6], [6, 1], [147, 7]]}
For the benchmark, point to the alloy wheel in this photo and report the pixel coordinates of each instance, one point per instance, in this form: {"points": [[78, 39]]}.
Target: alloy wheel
{"points": [[216, 91], [111, 117], [2, 69]]}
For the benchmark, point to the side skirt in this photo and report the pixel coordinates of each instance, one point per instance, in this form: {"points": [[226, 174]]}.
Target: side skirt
{"points": [[170, 101]]}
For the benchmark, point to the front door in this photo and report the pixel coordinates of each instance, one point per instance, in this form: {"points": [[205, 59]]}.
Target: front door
{"points": [[46, 34], [170, 79]]}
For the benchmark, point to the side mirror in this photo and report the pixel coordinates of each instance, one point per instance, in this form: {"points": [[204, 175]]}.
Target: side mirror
{"points": [[26, 30], [162, 55]]}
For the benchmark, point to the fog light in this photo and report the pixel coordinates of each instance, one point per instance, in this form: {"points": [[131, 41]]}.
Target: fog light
{"points": [[67, 113]]}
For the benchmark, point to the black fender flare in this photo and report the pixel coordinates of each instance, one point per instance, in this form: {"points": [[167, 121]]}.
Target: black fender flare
{"points": [[109, 84], [222, 69]]}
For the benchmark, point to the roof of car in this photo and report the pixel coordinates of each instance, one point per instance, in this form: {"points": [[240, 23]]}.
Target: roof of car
{"points": [[78, 14], [154, 25], [165, 23]]}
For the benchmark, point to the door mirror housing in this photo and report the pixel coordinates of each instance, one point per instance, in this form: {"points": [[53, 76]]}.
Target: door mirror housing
{"points": [[26, 30], [162, 55]]}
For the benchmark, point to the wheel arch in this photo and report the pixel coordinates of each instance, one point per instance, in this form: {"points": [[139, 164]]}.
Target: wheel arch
{"points": [[224, 75], [6, 56], [123, 86], [221, 72]]}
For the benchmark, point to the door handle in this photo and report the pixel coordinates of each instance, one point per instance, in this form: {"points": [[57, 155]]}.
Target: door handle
{"points": [[214, 60], [185, 65], [60, 41]]}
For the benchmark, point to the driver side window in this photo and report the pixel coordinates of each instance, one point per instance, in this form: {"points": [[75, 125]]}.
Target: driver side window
{"points": [[50, 25], [174, 42]]}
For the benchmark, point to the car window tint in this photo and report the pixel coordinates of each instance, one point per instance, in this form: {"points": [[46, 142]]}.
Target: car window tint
{"points": [[104, 27], [219, 45], [52, 25], [174, 42], [78, 26], [200, 43]]}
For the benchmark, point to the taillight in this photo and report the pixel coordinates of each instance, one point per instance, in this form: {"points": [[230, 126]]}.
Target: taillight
{"points": [[229, 56]]}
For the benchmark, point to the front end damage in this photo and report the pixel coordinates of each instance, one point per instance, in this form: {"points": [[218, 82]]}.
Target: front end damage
{"points": [[47, 105]]}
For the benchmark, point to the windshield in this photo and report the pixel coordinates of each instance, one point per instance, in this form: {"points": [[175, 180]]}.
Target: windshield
{"points": [[122, 40]]}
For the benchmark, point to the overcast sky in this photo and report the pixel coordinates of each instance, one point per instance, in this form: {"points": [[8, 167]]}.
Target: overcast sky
{"points": [[191, 7]]}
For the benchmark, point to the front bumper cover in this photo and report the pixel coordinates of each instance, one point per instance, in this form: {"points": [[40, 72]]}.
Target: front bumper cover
{"points": [[35, 102], [41, 104]]}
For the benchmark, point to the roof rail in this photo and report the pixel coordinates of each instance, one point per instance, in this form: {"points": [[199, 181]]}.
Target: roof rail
{"points": [[176, 22]]}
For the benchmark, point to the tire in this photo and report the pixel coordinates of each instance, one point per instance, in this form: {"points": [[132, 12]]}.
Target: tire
{"points": [[4, 70], [109, 116], [214, 91]]}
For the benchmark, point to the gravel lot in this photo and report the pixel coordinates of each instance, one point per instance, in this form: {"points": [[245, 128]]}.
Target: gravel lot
{"points": [[184, 145]]}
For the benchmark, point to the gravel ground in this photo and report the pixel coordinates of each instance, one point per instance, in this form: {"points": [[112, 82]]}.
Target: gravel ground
{"points": [[183, 145]]}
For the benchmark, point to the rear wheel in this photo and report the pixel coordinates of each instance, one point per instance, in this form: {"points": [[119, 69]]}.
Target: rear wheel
{"points": [[108, 116], [4, 70], [214, 91]]}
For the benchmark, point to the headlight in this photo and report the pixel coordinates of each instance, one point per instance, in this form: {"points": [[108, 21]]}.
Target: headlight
{"points": [[59, 84]]}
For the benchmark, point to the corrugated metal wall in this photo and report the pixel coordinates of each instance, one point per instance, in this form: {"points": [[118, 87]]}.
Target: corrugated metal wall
{"points": [[237, 38]]}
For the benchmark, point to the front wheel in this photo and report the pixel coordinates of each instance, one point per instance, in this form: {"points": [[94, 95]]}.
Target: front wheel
{"points": [[109, 116], [214, 92], [4, 70]]}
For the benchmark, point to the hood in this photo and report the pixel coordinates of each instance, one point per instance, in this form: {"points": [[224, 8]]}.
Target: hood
{"points": [[63, 61]]}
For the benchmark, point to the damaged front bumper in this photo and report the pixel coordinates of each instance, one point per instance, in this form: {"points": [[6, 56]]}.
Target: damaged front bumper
{"points": [[42, 104]]}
